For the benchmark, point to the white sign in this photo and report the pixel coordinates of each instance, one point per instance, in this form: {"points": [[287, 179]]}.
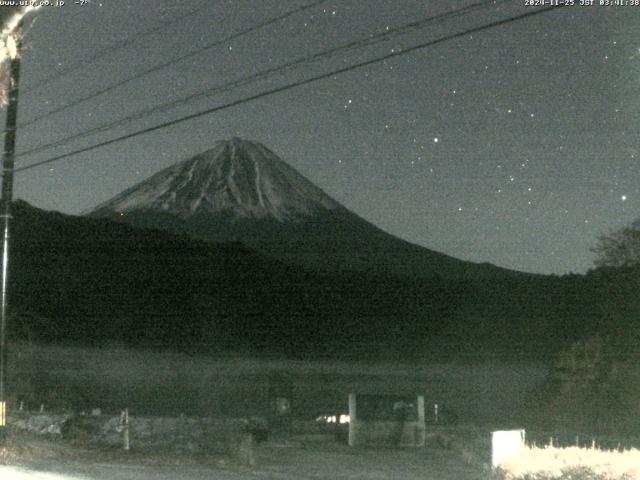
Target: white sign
{"points": [[505, 444]]}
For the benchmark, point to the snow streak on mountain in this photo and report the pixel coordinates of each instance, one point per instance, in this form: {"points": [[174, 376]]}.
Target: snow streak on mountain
{"points": [[236, 177]]}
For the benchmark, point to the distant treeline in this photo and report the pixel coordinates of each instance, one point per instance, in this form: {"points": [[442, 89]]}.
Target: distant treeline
{"points": [[93, 282]]}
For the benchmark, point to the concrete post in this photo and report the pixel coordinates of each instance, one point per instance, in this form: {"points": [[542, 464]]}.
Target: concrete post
{"points": [[421, 434], [353, 421], [125, 430]]}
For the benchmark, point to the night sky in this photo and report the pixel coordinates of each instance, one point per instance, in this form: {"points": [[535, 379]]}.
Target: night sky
{"points": [[516, 145]]}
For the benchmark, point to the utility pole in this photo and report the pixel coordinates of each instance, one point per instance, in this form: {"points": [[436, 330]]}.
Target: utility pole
{"points": [[5, 205]]}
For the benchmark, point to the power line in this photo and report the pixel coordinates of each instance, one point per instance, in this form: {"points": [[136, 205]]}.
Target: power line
{"points": [[370, 40], [288, 87], [171, 62], [115, 47]]}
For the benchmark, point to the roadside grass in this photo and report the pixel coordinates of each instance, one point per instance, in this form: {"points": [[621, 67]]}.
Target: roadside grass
{"points": [[470, 444], [575, 463], [25, 448]]}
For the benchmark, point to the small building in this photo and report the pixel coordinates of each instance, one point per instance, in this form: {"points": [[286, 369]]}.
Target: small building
{"points": [[393, 420]]}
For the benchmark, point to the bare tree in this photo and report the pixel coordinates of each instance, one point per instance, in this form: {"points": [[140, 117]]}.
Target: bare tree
{"points": [[620, 248], [6, 13], [10, 34]]}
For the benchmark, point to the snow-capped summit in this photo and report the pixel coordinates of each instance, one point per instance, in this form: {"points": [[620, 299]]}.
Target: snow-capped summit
{"points": [[236, 177]]}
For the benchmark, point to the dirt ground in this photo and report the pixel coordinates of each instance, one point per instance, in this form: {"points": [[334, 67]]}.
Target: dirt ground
{"points": [[31, 457]]}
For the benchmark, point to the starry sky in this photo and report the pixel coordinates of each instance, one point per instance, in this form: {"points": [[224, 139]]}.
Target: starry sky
{"points": [[516, 145]]}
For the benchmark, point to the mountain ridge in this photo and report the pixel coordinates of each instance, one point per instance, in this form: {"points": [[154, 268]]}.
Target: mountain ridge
{"points": [[79, 280], [240, 190]]}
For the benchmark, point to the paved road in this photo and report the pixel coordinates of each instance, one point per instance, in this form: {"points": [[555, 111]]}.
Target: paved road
{"points": [[14, 473], [114, 472]]}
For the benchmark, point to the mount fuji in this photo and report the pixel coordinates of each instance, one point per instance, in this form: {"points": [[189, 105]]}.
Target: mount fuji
{"points": [[240, 190]]}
